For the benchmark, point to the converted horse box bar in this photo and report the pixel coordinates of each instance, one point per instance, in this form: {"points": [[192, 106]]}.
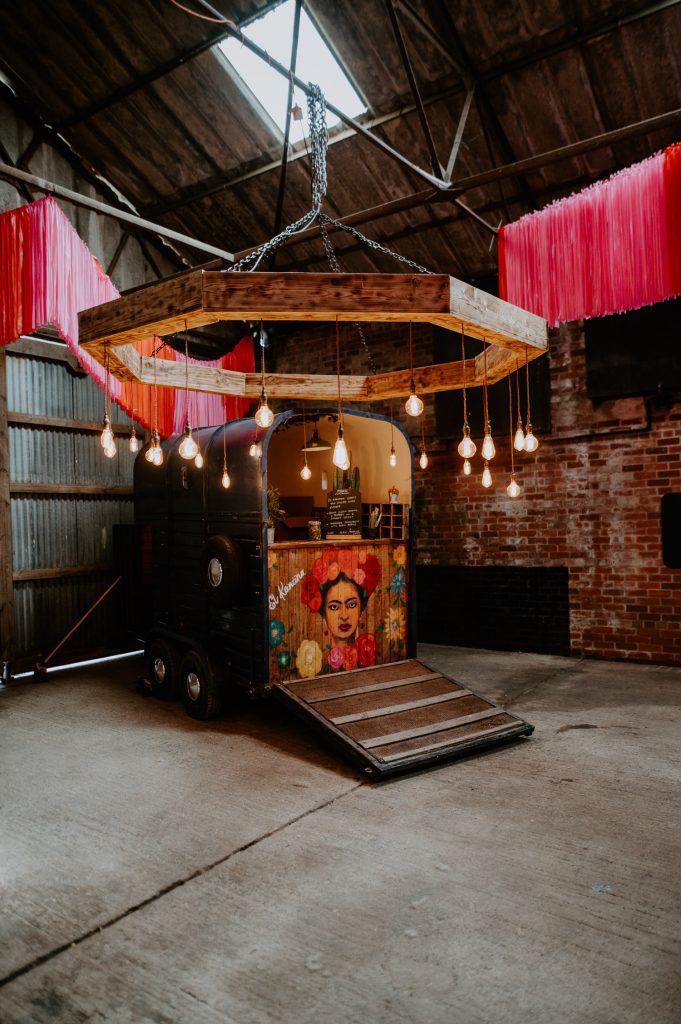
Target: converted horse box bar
{"points": [[325, 625]]}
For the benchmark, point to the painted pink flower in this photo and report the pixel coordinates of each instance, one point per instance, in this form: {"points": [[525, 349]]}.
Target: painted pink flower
{"points": [[334, 570], [345, 561], [335, 658]]}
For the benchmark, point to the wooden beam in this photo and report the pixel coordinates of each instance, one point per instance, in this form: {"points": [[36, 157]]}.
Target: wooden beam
{"points": [[29, 419], [59, 572], [6, 593], [202, 297], [43, 348], [99, 490]]}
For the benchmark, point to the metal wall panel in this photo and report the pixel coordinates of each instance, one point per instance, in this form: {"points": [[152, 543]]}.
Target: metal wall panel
{"points": [[62, 530]]}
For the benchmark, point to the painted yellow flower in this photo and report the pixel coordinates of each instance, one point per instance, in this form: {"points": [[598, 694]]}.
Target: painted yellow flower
{"points": [[271, 559], [395, 625], [400, 555], [309, 658]]}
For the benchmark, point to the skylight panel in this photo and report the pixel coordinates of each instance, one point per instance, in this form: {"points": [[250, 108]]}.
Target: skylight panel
{"points": [[315, 63]]}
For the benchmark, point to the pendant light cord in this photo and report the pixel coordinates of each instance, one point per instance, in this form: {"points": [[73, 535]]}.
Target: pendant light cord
{"points": [[463, 359], [262, 360], [186, 370], [340, 414], [510, 423], [517, 384], [411, 357], [484, 384], [527, 383], [392, 428], [304, 435]]}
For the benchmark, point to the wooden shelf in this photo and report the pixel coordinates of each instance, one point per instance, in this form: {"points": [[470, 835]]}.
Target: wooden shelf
{"points": [[394, 524]]}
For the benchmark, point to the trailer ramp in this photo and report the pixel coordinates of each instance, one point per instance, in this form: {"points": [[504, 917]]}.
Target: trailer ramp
{"points": [[401, 716]]}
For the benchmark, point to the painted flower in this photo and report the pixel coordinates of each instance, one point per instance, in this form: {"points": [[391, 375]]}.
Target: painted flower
{"points": [[366, 649], [359, 576], [284, 659], [277, 630], [310, 593], [309, 659], [335, 658], [346, 561], [400, 555], [320, 570], [271, 559], [395, 625], [372, 573], [398, 583], [350, 658], [334, 570]]}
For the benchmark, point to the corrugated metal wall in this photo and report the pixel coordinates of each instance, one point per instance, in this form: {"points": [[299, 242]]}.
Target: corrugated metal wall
{"points": [[62, 551]]}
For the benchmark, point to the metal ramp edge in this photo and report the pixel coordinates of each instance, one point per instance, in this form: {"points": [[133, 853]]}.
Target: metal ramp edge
{"points": [[400, 716]]}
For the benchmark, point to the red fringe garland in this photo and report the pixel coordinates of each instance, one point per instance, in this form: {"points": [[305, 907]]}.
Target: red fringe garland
{"points": [[48, 275], [613, 247]]}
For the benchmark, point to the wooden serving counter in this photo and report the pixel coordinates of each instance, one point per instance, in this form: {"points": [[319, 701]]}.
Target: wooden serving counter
{"points": [[280, 545]]}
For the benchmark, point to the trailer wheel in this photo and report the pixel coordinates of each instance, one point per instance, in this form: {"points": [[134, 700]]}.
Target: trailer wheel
{"points": [[163, 668], [201, 692], [222, 570]]}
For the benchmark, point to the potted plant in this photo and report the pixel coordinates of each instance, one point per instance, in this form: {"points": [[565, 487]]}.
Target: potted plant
{"points": [[275, 513]]}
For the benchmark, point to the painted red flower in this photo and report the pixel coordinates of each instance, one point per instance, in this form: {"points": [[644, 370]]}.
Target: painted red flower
{"points": [[310, 593], [320, 570], [372, 573], [345, 561], [366, 649], [350, 658]]}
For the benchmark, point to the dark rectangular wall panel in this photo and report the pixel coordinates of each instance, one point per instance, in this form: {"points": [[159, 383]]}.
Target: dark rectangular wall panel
{"points": [[496, 607]]}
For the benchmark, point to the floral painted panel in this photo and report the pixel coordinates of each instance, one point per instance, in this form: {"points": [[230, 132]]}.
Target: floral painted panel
{"points": [[334, 609]]}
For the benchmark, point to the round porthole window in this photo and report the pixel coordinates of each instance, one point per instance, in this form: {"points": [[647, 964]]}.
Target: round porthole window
{"points": [[215, 572]]}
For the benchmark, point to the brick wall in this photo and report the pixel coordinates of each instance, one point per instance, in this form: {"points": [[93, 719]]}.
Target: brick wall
{"points": [[590, 503]]}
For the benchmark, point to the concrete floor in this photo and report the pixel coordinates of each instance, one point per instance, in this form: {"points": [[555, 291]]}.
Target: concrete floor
{"points": [[159, 870]]}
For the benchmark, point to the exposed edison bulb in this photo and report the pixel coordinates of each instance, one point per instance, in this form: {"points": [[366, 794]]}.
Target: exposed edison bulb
{"points": [[306, 472], [467, 447], [325, 481], [106, 438], [423, 460], [393, 457], [110, 450], [414, 405], [158, 455], [264, 417], [134, 442], [486, 476], [519, 439], [188, 446], [340, 452], [513, 489], [198, 461], [466, 468], [531, 442], [150, 452], [254, 450], [488, 451], [225, 481]]}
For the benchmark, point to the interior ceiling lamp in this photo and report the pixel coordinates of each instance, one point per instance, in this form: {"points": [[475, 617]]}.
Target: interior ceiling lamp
{"points": [[224, 480], [531, 442], [340, 451], [513, 489], [154, 453], [316, 443], [393, 455], [264, 417], [519, 439], [106, 438], [188, 446], [423, 457], [467, 447], [488, 451], [305, 472], [413, 405]]}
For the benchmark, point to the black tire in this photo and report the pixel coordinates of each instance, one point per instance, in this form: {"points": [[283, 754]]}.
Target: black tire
{"points": [[222, 568], [201, 691], [163, 669]]}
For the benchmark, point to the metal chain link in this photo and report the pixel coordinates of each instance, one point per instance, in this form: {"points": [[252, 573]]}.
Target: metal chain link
{"points": [[316, 113]]}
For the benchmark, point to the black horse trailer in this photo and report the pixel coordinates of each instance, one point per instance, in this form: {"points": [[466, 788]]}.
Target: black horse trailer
{"points": [[326, 624]]}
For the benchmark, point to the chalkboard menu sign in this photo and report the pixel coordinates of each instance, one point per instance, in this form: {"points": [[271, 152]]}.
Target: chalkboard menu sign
{"points": [[343, 514]]}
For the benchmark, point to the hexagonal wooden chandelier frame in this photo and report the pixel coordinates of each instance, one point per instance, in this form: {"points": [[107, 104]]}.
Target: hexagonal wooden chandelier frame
{"points": [[202, 297]]}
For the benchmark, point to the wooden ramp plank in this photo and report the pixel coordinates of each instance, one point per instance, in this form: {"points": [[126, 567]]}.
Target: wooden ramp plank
{"points": [[397, 717]]}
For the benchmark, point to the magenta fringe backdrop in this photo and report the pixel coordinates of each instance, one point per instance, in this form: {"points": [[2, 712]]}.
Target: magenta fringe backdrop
{"points": [[607, 249], [48, 275]]}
